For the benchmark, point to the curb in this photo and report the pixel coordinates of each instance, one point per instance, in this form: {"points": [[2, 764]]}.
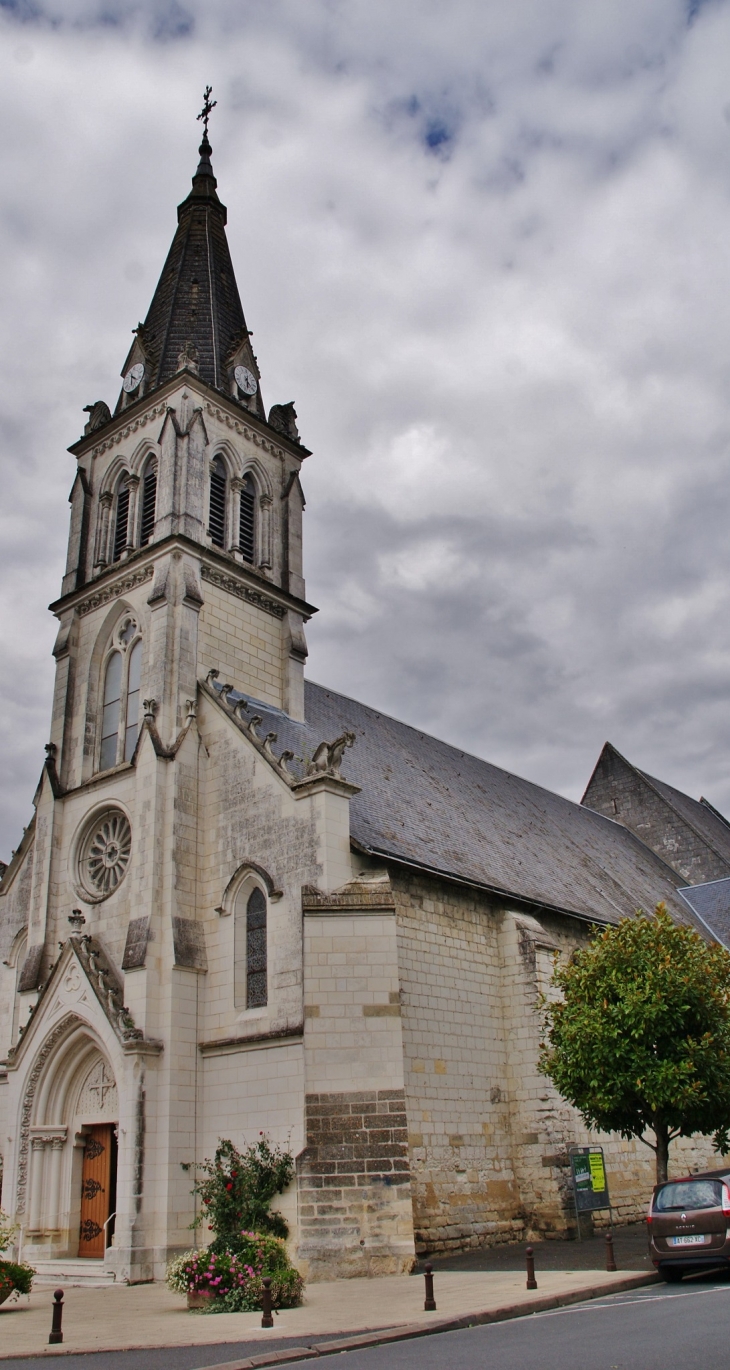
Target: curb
{"points": [[409, 1331]]}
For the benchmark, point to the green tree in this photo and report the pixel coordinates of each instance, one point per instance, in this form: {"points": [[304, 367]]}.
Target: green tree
{"points": [[640, 1038]]}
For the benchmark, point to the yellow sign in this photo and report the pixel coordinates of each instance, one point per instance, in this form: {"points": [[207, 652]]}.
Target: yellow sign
{"points": [[598, 1174]]}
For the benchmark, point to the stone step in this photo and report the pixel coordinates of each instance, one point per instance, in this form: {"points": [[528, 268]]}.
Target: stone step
{"points": [[71, 1274]]}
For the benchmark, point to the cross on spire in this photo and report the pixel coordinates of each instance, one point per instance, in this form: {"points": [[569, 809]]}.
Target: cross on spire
{"points": [[207, 109]]}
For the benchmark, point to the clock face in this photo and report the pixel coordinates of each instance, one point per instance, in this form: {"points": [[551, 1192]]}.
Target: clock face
{"points": [[133, 377], [245, 380]]}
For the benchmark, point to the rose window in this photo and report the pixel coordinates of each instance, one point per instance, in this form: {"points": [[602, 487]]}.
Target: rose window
{"points": [[105, 854]]}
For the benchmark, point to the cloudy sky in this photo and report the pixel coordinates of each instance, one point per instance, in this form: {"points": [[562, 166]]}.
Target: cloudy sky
{"points": [[486, 249]]}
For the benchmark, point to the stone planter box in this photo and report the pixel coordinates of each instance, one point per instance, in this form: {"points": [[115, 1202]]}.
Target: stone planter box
{"points": [[200, 1298]]}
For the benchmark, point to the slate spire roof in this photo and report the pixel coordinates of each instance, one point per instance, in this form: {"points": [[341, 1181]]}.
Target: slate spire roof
{"points": [[196, 308]]}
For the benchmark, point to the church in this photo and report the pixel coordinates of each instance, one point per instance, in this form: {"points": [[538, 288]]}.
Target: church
{"points": [[247, 904]]}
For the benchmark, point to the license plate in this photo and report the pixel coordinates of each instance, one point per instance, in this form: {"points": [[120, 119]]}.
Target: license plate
{"points": [[687, 1241]]}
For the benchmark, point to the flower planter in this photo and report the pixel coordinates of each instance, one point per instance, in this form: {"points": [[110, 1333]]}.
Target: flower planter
{"points": [[200, 1298], [5, 1293]]}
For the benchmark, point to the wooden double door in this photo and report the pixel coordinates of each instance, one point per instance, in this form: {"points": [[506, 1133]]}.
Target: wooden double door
{"points": [[98, 1190]]}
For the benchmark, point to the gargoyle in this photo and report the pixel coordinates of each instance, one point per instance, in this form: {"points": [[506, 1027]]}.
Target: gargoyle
{"points": [[328, 757], [283, 417], [99, 413]]}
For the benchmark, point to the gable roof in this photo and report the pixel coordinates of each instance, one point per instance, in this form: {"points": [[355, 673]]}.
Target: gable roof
{"points": [[429, 805], [699, 814]]}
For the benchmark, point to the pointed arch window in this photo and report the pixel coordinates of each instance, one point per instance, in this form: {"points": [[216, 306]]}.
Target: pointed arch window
{"points": [[121, 523], [149, 504], [250, 949], [247, 520], [218, 495], [121, 698]]}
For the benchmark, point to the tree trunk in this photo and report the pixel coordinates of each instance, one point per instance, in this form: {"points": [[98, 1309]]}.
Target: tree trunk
{"points": [[661, 1132]]}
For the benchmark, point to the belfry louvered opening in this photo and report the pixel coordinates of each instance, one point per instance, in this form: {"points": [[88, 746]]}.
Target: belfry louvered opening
{"points": [[149, 504], [121, 526], [247, 520], [217, 513]]}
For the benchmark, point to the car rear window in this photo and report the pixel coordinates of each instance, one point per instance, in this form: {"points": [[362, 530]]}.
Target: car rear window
{"points": [[689, 1194]]}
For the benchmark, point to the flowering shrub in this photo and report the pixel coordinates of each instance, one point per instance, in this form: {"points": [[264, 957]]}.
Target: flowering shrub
{"points": [[236, 1189], [7, 1230], [234, 1278], [15, 1278]]}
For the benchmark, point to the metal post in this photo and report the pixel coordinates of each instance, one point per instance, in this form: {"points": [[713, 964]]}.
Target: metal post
{"points": [[610, 1257], [266, 1320], [56, 1333], [430, 1303], [530, 1261]]}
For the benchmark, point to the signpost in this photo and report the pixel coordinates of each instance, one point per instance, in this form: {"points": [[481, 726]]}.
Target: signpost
{"points": [[590, 1185]]}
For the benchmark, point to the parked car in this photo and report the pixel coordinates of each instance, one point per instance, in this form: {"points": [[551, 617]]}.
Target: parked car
{"points": [[689, 1224]]}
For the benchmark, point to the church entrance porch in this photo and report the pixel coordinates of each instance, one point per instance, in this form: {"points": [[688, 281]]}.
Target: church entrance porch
{"points": [[71, 1150], [98, 1191]]}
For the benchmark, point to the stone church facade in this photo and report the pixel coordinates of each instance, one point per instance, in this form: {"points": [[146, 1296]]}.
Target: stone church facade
{"points": [[248, 904]]}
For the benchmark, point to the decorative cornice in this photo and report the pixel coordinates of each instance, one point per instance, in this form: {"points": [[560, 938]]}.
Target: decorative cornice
{"points": [[249, 434], [224, 1045], [140, 422], [357, 897], [236, 587], [117, 587]]}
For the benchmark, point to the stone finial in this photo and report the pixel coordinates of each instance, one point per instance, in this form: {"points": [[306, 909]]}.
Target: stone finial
{"points": [[188, 359]]}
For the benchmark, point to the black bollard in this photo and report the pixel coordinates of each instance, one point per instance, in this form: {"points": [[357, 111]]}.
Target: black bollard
{"points": [[530, 1260], [610, 1257], [56, 1333], [266, 1320], [429, 1303]]}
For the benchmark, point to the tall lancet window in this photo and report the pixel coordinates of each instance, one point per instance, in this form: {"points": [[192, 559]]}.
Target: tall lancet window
{"points": [[132, 711], [249, 951], [110, 716], [217, 513], [247, 520], [121, 525], [120, 709], [149, 504]]}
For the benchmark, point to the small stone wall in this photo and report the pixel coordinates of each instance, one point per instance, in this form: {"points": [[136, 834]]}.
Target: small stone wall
{"points": [[354, 1186]]}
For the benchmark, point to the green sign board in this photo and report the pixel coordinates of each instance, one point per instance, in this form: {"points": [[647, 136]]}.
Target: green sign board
{"points": [[590, 1185]]}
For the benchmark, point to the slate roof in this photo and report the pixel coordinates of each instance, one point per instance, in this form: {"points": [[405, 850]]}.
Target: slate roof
{"points": [[711, 903], [426, 803], [196, 298]]}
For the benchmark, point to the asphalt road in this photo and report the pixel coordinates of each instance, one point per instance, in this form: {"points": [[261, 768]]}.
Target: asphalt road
{"points": [[687, 1325]]}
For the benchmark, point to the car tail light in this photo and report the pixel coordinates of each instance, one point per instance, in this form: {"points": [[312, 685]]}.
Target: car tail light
{"points": [[648, 1211], [726, 1200]]}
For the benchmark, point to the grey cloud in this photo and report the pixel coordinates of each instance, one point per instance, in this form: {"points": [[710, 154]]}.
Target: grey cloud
{"points": [[508, 346]]}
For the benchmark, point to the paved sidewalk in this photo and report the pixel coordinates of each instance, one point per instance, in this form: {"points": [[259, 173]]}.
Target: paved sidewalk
{"points": [[122, 1317]]}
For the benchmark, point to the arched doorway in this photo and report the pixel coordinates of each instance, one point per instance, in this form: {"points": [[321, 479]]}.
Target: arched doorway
{"points": [[96, 1122], [71, 1143]]}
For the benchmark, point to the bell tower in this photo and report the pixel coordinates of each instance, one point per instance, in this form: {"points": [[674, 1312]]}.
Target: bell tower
{"points": [[186, 516]]}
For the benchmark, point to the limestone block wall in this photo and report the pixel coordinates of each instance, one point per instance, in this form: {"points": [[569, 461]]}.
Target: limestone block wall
{"points": [[243, 642], [355, 1211], [465, 1191]]}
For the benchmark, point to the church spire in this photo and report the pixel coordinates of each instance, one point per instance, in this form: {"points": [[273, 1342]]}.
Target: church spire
{"points": [[196, 318]]}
